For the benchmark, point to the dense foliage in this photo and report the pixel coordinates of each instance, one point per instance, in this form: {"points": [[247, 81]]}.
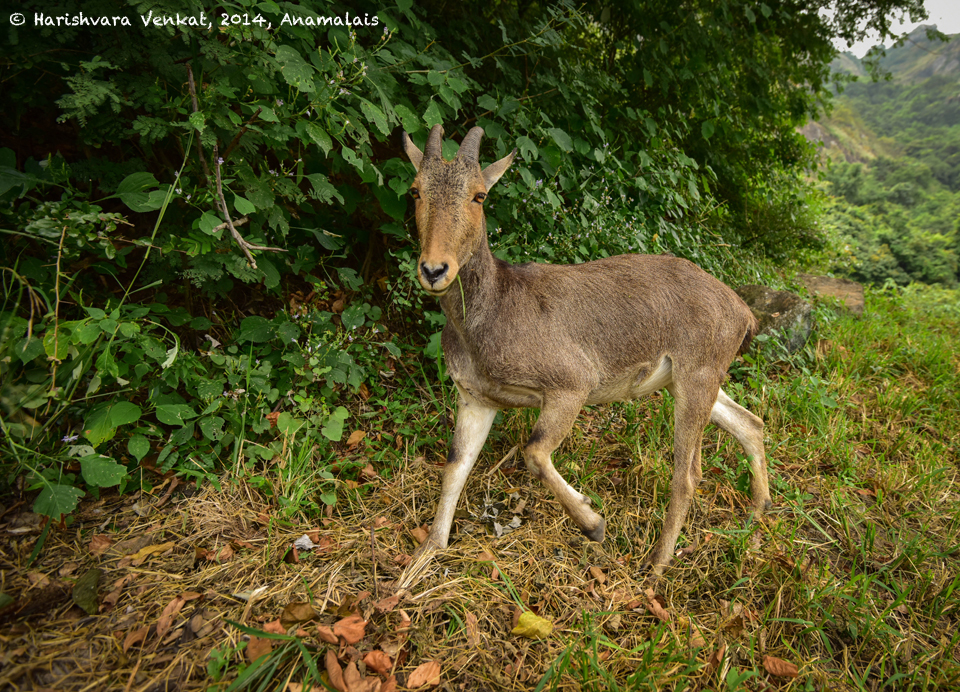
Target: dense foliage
{"points": [[137, 334], [897, 214]]}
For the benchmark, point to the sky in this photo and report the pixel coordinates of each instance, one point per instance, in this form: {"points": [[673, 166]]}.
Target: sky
{"points": [[944, 13]]}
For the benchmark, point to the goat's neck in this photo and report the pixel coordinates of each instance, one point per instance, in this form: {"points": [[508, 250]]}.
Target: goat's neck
{"points": [[475, 288]]}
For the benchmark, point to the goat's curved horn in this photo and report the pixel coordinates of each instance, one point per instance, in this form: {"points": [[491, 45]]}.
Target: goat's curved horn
{"points": [[434, 143], [470, 146]]}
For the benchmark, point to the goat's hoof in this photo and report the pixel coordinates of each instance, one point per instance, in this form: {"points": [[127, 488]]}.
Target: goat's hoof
{"points": [[596, 534], [763, 506]]}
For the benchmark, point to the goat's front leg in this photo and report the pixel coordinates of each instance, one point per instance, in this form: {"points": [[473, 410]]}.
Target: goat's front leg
{"points": [[559, 412], [472, 427]]}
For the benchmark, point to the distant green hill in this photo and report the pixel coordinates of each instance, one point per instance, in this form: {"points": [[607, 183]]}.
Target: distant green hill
{"points": [[893, 148], [917, 59]]}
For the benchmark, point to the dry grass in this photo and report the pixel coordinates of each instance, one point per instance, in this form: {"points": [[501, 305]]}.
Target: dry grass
{"points": [[850, 578]]}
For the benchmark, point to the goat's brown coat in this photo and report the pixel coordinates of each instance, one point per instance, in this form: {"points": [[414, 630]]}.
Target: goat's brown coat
{"points": [[557, 337]]}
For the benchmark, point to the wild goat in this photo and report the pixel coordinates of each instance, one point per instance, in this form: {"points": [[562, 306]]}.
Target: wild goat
{"points": [[557, 337]]}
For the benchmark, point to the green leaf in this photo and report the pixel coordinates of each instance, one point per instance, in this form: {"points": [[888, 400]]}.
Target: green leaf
{"points": [[212, 427], [751, 17], [433, 115], [561, 138], [97, 427], [132, 191], [488, 102], [295, 70], [56, 343], [174, 414], [411, 123], [101, 471], [138, 446], [243, 205], [316, 134], [268, 115], [707, 129], [374, 114], [124, 413], [56, 500], [210, 221], [257, 329], [288, 332], [333, 430], [28, 349], [198, 121], [353, 318], [289, 424], [527, 148]]}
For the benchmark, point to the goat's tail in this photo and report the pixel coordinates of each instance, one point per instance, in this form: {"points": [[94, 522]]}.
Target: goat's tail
{"points": [[752, 330]]}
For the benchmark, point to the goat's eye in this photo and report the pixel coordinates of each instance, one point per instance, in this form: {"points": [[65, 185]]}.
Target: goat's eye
{"points": [[415, 193], [479, 197]]}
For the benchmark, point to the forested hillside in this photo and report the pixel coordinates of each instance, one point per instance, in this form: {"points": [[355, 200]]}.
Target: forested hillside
{"points": [[895, 170]]}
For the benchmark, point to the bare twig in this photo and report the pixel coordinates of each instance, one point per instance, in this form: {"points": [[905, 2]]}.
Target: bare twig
{"points": [[244, 245], [196, 108], [236, 139]]}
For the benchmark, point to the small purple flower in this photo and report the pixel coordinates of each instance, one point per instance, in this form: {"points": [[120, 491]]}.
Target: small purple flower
{"points": [[279, 102], [70, 438], [219, 160]]}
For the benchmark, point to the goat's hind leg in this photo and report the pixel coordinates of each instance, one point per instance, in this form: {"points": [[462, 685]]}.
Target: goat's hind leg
{"points": [[556, 419], [748, 429], [693, 396]]}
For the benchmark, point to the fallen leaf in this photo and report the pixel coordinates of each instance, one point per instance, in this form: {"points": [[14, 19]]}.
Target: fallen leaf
{"points": [[335, 671], [169, 613], [38, 579], [99, 544], [134, 637], [67, 569], [272, 417], [387, 604], [425, 674], [420, 533], [378, 661], [473, 634], [380, 522], [598, 574], [275, 627], [356, 437], [369, 472], [350, 628], [532, 626], [716, 658], [326, 634], [654, 605], [779, 667], [85, 590], [257, 647], [389, 685], [144, 554], [297, 612]]}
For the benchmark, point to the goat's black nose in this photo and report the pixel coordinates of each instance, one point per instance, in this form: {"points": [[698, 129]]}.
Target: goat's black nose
{"points": [[433, 275]]}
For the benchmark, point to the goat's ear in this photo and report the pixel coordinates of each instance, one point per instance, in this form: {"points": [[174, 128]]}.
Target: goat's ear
{"points": [[491, 174], [413, 153]]}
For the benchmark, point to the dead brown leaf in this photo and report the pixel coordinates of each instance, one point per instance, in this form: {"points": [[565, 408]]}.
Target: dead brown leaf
{"points": [[473, 634], [38, 579], [275, 627], [716, 658], [134, 637], [378, 661], [390, 685], [356, 437], [655, 605], [350, 628], [779, 667], [420, 534], [426, 674], [144, 554], [326, 634], [257, 647], [99, 544], [334, 671], [297, 612], [169, 613], [598, 574], [356, 682], [387, 604]]}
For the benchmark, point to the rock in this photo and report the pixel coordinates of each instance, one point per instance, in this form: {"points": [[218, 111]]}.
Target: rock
{"points": [[850, 292], [782, 313]]}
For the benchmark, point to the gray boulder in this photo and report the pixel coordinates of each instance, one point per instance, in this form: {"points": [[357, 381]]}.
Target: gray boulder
{"points": [[780, 313]]}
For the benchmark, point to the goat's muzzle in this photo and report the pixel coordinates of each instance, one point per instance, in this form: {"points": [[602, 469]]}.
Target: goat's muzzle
{"points": [[436, 277]]}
